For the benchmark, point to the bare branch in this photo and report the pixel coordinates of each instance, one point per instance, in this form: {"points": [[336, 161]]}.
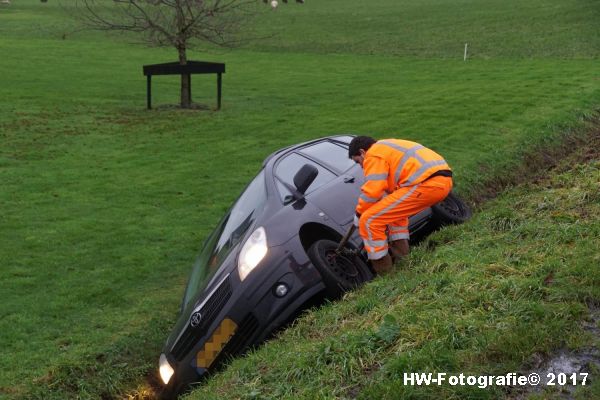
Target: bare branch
{"points": [[174, 23]]}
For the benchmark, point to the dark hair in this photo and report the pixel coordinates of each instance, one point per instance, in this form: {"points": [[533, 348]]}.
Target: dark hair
{"points": [[358, 143]]}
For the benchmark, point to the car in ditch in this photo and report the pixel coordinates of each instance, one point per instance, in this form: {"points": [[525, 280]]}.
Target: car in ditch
{"points": [[274, 253]]}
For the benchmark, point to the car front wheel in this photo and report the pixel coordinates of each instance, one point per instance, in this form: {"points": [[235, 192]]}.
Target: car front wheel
{"points": [[451, 210], [340, 272]]}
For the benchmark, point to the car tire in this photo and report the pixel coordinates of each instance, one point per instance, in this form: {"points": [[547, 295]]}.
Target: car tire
{"points": [[341, 272], [451, 210]]}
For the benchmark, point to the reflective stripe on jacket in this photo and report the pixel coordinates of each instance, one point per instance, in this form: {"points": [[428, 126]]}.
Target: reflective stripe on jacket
{"points": [[392, 163]]}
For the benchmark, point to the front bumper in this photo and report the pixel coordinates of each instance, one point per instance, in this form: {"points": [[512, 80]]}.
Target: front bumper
{"points": [[239, 314]]}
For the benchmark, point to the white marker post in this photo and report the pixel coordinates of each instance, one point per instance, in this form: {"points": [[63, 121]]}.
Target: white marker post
{"points": [[465, 57]]}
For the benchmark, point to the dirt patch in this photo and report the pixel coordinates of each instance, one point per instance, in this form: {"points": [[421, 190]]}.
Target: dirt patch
{"points": [[557, 370], [14, 391], [150, 390], [354, 391], [578, 146], [177, 107]]}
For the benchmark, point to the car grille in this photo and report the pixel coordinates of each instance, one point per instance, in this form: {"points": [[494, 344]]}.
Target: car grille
{"points": [[209, 310]]}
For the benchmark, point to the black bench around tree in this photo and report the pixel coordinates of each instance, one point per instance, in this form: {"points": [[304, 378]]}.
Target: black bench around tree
{"points": [[192, 67]]}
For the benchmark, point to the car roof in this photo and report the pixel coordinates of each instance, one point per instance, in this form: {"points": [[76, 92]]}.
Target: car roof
{"points": [[341, 138]]}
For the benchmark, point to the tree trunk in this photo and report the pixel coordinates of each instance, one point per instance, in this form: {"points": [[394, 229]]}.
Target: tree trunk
{"points": [[186, 98]]}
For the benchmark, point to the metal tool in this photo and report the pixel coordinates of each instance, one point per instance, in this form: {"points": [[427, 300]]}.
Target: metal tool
{"points": [[342, 249]]}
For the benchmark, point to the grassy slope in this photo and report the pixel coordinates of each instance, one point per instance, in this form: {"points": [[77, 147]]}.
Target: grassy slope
{"points": [[440, 28], [103, 205], [480, 298]]}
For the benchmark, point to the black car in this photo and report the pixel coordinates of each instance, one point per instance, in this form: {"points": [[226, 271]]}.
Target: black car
{"points": [[273, 253]]}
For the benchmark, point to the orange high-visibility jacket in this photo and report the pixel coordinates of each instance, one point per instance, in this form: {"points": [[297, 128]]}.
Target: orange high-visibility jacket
{"points": [[390, 164]]}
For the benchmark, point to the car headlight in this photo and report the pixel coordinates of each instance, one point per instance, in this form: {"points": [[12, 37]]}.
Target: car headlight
{"points": [[166, 371], [254, 250]]}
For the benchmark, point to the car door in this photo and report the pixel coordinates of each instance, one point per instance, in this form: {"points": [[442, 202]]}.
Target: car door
{"points": [[335, 190], [339, 197]]}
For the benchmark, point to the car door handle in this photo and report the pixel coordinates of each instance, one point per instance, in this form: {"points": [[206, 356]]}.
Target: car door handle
{"points": [[348, 179]]}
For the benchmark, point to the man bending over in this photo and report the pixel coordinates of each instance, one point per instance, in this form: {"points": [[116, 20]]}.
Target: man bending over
{"points": [[402, 178]]}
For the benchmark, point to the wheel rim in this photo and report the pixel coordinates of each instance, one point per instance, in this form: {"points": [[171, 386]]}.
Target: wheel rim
{"points": [[343, 268], [452, 207]]}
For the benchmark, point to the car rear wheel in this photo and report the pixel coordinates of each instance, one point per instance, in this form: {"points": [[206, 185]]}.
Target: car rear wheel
{"points": [[451, 210], [340, 272]]}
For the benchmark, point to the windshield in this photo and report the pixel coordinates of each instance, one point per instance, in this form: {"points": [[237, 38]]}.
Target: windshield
{"points": [[227, 235]]}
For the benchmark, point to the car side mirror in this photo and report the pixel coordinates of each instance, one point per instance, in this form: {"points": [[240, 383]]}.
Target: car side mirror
{"points": [[305, 177]]}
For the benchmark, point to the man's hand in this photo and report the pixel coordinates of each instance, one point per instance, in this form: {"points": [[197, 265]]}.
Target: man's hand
{"points": [[356, 219]]}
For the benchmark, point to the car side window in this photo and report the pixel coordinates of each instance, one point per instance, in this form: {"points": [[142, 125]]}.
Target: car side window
{"points": [[331, 154], [287, 168]]}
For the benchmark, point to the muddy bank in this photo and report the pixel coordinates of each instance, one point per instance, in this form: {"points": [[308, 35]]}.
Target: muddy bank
{"points": [[579, 145], [564, 371]]}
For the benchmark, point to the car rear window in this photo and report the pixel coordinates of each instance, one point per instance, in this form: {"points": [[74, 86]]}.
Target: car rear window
{"points": [[331, 154]]}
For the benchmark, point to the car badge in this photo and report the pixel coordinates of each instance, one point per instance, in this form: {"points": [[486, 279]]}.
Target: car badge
{"points": [[195, 319]]}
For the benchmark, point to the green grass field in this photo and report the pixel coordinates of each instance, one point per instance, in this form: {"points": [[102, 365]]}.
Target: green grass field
{"points": [[103, 204]]}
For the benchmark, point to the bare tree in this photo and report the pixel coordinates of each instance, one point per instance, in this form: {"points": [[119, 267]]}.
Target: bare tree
{"points": [[173, 23]]}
